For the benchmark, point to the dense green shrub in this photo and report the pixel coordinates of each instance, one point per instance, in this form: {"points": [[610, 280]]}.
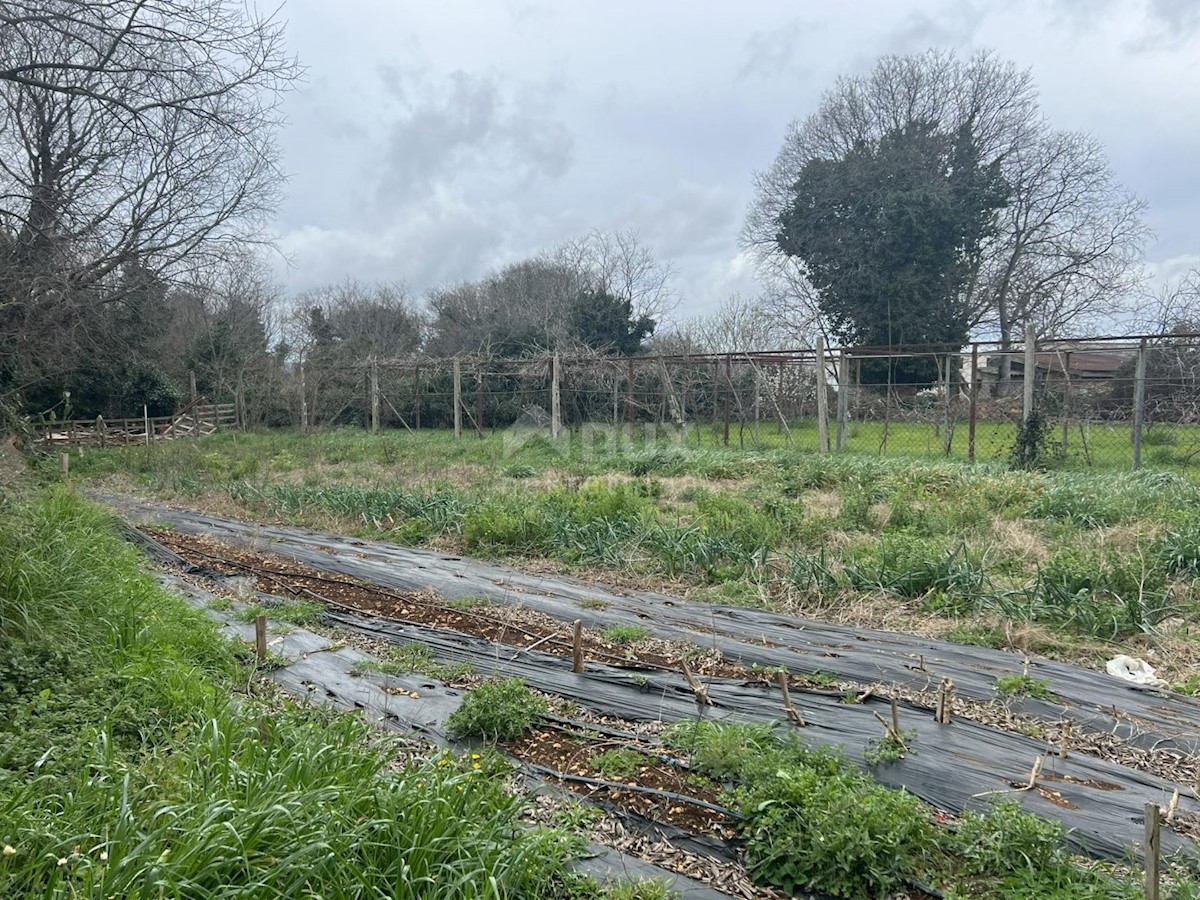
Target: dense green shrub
{"points": [[497, 711]]}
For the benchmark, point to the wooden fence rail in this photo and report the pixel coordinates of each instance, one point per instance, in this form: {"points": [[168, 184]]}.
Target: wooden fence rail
{"points": [[196, 419]]}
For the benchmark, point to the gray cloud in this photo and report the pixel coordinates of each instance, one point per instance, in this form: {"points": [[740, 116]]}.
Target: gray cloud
{"points": [[1169, 25], [465, 129], [425, 151], [778, 51], [949, 26]]}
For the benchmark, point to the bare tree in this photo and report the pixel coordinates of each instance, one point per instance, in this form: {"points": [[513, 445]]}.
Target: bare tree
{"points": [[1068, 241], [133, 134], [621, 264], [140, 129], [739, 324]]}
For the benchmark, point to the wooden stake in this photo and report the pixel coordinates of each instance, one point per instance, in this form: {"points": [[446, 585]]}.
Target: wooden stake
{"points": [[64, 460], [146, 422], [697, 688], [892, 729], [1063, 739], [1153, 848], [577, 648], [260, 639], [1034, 773], [792, 713], [945, 702]]}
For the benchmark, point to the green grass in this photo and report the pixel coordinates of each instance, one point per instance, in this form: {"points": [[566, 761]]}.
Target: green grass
{"points": [[619, 763], [1014, 686], [758, 527], [293, 612], [815, 822], [414, 657], [624, 634], [127, 771]]}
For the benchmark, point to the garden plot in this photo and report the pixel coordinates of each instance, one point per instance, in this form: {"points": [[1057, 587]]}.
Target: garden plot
{"points": [[327, 672], [954, 766]]}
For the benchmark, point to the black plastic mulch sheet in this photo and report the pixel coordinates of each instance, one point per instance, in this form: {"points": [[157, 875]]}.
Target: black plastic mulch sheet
{"points": [[955, 767]]}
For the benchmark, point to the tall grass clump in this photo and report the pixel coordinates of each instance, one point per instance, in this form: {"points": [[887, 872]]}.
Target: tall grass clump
{"points": [[127, 771], [1097, 500], [814, 822]]}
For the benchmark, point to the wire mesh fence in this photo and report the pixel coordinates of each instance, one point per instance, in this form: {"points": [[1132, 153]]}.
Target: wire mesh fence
{"points": [[1122, 402]]}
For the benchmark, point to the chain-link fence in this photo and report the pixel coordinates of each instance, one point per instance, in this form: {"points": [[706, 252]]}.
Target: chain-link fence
{"points": [[1103, 402]]}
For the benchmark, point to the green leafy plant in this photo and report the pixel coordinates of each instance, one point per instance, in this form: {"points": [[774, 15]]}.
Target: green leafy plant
{"points": [[1024, 685], [498, 711], [619, 763], [1033, 447], [890, 748], [624, 634]]}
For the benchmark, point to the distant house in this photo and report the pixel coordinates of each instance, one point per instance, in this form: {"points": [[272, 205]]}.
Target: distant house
{"points": [[1084, 365]]}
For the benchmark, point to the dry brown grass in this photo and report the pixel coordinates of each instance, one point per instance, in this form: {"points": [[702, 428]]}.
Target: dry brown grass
{"points": [[1019, 539], [823, 503]]}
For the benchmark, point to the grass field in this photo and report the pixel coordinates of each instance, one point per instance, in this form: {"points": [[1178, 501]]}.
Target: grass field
{"points": [[140, 758], [1101, 446], [1060, 562], [157, 783]]}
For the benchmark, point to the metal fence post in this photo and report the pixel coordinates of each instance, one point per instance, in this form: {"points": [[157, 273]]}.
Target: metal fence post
{"points": [[1139, 403]]}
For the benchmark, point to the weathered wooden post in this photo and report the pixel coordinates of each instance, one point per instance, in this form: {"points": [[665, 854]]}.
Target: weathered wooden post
{"points": [[1066, 418], [260, 639], [1139, 404], [577, 647], [1030, 373], [146, 422], [457, 399], [843, 400], [192, 385], [629, 394], [822, 398], [417, 412], [1153, 851], [374, 395], [479, 376], [303, 400], [728, 392], [973, 415], [555, 408]]}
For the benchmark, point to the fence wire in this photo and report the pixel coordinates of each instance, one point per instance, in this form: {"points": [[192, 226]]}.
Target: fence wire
{"points": [[1098, 403]]}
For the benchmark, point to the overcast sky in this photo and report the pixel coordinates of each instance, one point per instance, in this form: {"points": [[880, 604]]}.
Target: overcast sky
{"points": [[433, 141]]}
